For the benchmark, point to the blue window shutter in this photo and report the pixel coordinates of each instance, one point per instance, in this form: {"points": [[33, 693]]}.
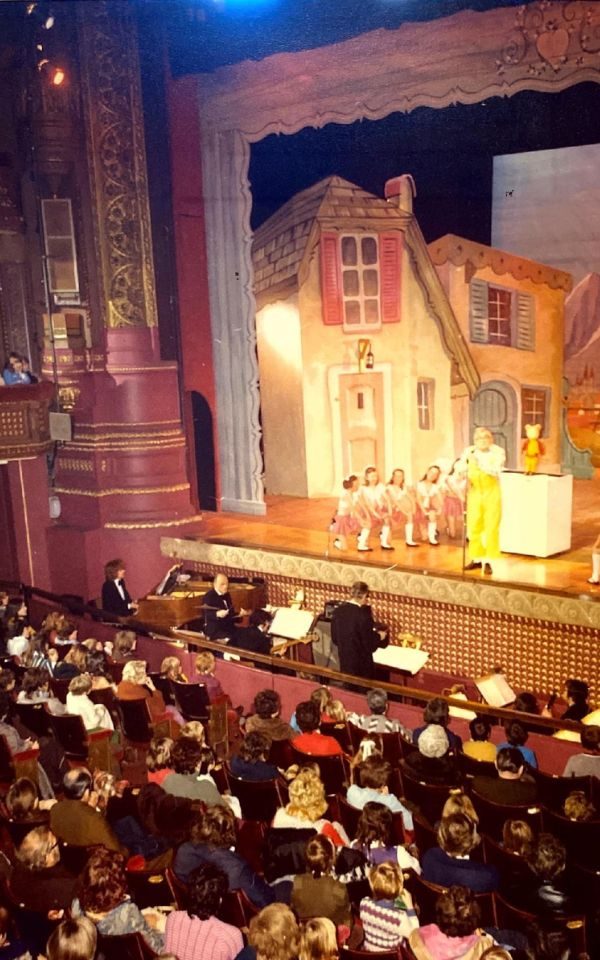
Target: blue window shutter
{"points": [[478, 311]]}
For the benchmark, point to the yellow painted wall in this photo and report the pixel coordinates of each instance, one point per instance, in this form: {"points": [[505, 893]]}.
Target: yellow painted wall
{"points": [[540, 367]]}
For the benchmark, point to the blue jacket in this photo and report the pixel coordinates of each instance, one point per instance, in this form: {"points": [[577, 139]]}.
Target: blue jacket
{"points": [[439, 868], [239, 873]]}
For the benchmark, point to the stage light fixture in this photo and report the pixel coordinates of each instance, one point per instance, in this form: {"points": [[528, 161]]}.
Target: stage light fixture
{"points": [[30, 8], [57, 76], [49, 22]]}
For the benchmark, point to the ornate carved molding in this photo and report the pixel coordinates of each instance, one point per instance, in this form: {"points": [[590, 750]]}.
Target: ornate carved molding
{"points": [[117, 163], [460, 59]]}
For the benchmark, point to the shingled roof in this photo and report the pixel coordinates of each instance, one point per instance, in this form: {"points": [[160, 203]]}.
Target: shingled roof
{"points": [[280, 243]]}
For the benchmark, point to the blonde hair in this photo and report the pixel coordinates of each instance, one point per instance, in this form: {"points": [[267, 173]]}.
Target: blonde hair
{"points": [[578, 807], [318, 940], [80, 685], [336, 710], [77, 656], [135, 671], [171, 664], [193, 730], [158, 756], [307, 797], [34, 848], [73, 939], [125, 640], [205, 662], [274, 933], [386, 881], [322, 697], [459, 802]]}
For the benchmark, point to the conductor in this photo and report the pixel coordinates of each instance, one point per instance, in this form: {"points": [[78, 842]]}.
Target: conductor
{"points": [[354, 633]]}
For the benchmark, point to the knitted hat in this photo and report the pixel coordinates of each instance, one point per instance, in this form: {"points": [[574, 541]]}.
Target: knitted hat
{"points": [[433, 741]]}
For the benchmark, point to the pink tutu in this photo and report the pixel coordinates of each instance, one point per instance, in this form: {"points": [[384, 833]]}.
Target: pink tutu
{"points": [[453, 507], [345, 526]]}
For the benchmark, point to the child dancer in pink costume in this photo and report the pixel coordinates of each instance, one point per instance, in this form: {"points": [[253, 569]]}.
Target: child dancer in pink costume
{"points": [[431, 501], [345, 522], [373, 510], [402, 505]]}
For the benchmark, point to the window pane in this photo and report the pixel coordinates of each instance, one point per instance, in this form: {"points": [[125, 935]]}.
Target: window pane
{"points": [[350, 278], [56, 218], [349, 255], [61, 265], [371, 311], [369, 250], [371, 282], [533, 405], [352, 308]]}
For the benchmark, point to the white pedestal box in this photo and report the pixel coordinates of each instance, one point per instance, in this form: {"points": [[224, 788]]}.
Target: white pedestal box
{"points": [[536, 513]]}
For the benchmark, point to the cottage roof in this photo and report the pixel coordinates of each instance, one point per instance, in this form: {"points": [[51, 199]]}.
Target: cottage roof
{"points": [[281, 243], [459, 251]]}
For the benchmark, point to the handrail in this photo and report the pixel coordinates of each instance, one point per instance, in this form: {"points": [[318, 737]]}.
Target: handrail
{"points": [[320, 673]]}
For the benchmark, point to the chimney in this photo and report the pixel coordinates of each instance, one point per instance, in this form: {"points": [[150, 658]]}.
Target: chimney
{"points": [[404, 189]]}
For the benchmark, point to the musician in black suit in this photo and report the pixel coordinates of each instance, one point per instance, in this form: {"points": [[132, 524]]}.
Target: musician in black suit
{"points": [[354, 633], [115, 596], [255, 637], [219, 616]]}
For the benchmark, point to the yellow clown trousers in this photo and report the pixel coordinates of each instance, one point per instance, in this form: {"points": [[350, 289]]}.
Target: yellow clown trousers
{"points": [[484, 510]]}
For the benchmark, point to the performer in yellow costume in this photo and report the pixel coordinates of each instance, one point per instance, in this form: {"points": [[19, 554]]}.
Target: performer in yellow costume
{"points": [[484, 462]]}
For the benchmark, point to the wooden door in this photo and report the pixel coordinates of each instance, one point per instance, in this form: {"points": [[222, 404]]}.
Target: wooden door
{"points": [[362, 426], [495, 407]]}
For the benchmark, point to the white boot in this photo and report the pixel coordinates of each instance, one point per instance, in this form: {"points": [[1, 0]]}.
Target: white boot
{"points": [[340, 542], [595, 577], [384, 537], [408, 535], [363, 540], [432, 533]]}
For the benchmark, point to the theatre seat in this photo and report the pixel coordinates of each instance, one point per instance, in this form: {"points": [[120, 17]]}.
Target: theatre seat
{"points": [[510, 917], [129, 946], [425, 895], [493, 815], [335, 770]]}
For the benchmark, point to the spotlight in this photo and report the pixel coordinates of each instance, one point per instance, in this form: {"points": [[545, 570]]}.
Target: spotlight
{"points": [[57, 76], [49, 22], [30, 8]]}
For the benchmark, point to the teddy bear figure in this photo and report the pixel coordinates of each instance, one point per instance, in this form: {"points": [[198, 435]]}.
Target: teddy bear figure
{"points": [[533, 448]]}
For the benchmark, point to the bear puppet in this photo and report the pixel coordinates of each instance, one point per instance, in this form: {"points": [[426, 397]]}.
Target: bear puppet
{"points": [[533, 448]]}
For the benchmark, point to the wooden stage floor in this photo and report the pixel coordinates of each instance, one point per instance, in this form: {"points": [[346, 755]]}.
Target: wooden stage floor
{"points": [[300, 526]]}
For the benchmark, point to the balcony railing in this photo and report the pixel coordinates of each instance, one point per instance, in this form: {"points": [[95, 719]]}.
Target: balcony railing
{"points": [[24, 420]]}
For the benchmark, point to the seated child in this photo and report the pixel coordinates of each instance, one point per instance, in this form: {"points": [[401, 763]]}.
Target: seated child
{"points": [[388, 916]]}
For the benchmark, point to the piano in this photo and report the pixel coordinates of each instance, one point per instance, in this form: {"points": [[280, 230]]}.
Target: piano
{"points": [[185, 603]]}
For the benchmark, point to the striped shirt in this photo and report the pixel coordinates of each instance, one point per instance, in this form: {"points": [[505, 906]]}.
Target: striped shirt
{"points": [[386, 922], [192, 939]]}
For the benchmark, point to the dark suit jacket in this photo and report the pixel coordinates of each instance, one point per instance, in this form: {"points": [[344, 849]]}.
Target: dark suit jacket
{"points": [[253, 640], [354, 634], [218, 627], [112, 601]]}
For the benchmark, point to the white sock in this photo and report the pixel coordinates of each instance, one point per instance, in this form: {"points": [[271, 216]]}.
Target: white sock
{"points": [[595, 567], [408, 532], [432, 531], [363, 538], [384, 536]]}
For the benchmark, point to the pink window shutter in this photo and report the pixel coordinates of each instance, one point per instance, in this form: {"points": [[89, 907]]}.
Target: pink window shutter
{"points": [[331, 280], [390, 259]]}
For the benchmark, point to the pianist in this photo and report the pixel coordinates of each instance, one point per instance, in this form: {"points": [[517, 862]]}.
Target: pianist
{"points": [[255, 637]]}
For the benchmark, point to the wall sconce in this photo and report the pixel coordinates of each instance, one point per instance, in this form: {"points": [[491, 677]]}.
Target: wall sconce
{"points": [[365, 356]]}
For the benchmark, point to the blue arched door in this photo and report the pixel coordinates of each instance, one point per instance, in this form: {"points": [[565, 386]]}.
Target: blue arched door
{"points": [[495, 406]]}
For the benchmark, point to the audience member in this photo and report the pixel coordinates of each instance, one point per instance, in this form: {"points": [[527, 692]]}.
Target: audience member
{"points": [[509, 786], [479, 746], [23, 802], [318, 940], [374, 775], [460, 802], [586, 763], [388, 916], [438, 713], [273, 935], [15, 373], [197, 933], [310, 740], [36, 689], [433, 762], [578, 807], [450, 863], [18, 642], [136, 685], [306, 807], [66, 634], [171, 669], [517, 838], [73, 939], [375, 839], [73, 664], [517, 736], [158, 759], [39, 880], [74, 819], [455, 934], [317, 893], [250, 762], [94, 715], [255, 637], [213, 841], [576, 694], [124, 646], [544, 892], [267, 717], [105, 900], [206, 665], [190, 777], [378, 721]]}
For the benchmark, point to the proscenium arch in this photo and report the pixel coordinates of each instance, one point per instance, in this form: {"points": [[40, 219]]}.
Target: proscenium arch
{"points": [[460, 59]]}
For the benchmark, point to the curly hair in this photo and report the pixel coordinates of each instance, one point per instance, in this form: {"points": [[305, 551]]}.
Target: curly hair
{"points": [[186, 755], [307, 797], [158, 756], [216, 827], [457, 912], [207, 886], [254, 747], [274, 933], [171, 665], [103, 881], [319, 856], [375, 825], [267, 703]]}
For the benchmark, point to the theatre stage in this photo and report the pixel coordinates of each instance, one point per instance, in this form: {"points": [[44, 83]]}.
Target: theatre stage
{"points": [[538, 619]]}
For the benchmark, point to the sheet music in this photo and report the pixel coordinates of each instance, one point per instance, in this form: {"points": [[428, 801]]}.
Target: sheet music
{"points": [[401, 658], [291, 624]]}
